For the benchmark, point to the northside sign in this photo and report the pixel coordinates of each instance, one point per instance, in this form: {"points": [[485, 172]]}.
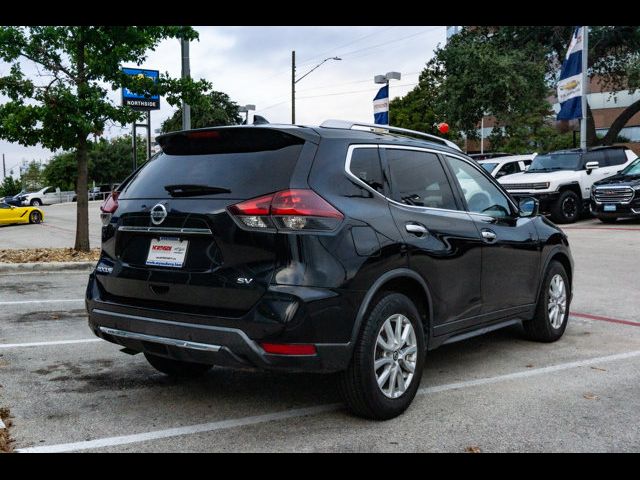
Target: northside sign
{"points": [[141, 101]]}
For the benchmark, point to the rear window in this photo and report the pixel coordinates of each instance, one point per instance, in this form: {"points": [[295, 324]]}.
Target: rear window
{"points": [[228, 164]]}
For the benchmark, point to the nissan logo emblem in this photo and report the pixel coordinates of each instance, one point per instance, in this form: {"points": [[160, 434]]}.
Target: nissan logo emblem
{"points": [[158, 214]]}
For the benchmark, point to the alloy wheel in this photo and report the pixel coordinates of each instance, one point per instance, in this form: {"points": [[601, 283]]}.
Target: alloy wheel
{"points": [[395, 355]]}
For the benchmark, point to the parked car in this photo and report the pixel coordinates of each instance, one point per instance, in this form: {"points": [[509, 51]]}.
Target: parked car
{"points": [[562, 180], [489, 155], [503, 166], [288, 248], [47, 196], [10, 214], [617, 196], [101, 192], [15, 200]]}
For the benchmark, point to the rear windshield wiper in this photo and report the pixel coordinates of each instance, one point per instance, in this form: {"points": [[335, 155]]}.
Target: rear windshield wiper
{"points": [[189, 190]]}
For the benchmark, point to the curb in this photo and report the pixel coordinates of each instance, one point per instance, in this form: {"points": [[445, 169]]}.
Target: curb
{"points": [[45, 266]]}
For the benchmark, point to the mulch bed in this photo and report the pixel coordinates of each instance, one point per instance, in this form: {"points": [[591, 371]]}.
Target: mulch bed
{"points": [[34, 255]]}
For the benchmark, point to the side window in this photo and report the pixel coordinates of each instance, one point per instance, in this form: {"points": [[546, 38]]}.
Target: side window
{"points": [[526, 163], [365, 164], [481, 194], [417, 178], [616, 157], [597, 156], [508, 169]]}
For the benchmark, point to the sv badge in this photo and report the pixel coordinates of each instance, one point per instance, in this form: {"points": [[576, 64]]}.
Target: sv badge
{"points": [[244, 281]]}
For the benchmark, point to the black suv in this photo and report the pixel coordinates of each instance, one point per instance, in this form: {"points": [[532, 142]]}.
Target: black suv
{"points": [[340, 248], [617, 196]]}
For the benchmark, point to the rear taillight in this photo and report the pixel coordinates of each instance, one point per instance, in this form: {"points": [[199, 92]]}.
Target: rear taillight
{"points": [[288, 210], [108, 208]]}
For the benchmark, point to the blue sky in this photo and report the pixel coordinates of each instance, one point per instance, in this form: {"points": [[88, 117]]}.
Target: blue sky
{"points": [[253, 65]]}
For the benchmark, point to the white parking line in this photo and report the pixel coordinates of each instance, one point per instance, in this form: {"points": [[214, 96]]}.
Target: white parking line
{"points": [[302, 412], [25, 302], [47, 344]]}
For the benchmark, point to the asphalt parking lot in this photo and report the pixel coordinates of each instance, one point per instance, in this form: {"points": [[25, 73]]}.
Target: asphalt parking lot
{"points": [[57, 231], [68, 391]]}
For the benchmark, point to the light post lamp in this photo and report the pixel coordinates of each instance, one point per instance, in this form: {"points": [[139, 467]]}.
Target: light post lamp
{"points": [[245, 109], [295, 80], [384, 79]]}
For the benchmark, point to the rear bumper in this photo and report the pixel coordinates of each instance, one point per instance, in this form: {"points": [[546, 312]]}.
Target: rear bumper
{"points": [[196, 338]]}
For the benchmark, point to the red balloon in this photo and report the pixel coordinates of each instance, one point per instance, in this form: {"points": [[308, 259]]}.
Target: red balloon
{"points": [[443, 127]]}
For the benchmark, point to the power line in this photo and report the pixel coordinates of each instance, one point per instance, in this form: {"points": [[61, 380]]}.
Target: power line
{"points": [[331, 85], [320, 55], [384, 44], [356, 91]]}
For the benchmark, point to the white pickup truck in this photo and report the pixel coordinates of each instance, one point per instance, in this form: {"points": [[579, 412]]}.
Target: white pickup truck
{"points": [[47, 196], [562, 180]]}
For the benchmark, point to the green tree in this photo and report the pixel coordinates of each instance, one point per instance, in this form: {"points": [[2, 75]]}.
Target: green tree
{"points": [[68, 100], [214, 109], [10, 187], [32, 178], [510, 71], [109, 162]]}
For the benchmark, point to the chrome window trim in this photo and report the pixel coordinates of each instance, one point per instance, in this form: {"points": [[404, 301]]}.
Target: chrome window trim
{"points": [[166, 230], [347, 168]]}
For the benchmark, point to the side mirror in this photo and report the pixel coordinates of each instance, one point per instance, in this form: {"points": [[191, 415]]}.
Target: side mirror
{"points": [[529, 207], [591, 166], [500, 174]]}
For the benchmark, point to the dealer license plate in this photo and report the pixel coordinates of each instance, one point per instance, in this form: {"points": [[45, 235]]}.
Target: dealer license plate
{"points": [[167, 252], [609, 208]]}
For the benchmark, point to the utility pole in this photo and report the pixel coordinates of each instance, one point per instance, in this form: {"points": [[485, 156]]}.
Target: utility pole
{"points": [[186, 73], [585, 87], [4, 168], [293, 87], [295, 80]]}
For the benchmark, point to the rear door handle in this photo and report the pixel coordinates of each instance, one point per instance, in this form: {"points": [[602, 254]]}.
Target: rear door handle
{"points": [[488, 235], [416, 229]]}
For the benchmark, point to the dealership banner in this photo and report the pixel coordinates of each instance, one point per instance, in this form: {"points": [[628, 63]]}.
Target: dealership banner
{"points": [[381, 106], [570, 86]]}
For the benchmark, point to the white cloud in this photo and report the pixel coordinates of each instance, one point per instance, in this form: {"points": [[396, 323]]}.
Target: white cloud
{"points": [[253, 65]]}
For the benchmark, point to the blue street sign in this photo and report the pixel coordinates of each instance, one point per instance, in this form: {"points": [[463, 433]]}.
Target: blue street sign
{"points": [[141, 101]]}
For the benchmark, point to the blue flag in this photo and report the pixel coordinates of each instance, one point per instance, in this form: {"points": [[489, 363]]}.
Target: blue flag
{"points": [[381, 106], [570, 84]]}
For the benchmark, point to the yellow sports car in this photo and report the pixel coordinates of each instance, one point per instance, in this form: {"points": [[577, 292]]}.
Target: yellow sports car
{"points": [[10, 214]]}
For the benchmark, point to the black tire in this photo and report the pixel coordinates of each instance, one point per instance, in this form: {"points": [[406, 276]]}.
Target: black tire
{"points": [[177, 368], [540, 328], [35, 217], [567, 208], [36, 202], [608, 220], [358, 384]]}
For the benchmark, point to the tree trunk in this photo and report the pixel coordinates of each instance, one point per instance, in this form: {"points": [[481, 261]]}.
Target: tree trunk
{"points": [[82, 187], [620, 122], [82, 191]]}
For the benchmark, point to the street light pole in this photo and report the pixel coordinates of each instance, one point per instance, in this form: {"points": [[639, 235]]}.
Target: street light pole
{"points": [[295, 80], [293, 87], [186, 73]]}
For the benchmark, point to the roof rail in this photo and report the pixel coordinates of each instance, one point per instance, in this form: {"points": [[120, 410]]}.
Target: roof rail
{"points": [[348, 125]]}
